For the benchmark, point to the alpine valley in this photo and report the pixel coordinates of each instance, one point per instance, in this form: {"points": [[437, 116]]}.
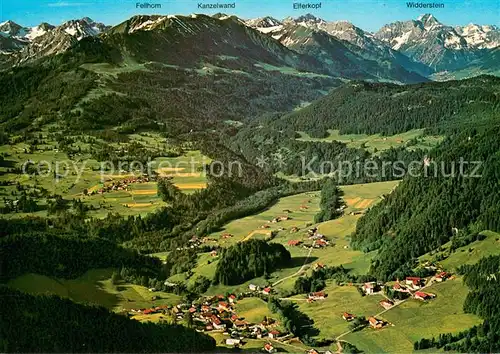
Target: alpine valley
{"points": [[211, 183]]}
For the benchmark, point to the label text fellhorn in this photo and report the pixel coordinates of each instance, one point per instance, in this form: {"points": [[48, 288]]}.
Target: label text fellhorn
{"points": [[147, 5]]}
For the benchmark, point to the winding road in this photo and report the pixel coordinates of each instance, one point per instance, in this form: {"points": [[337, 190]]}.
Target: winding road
{"points": [[300, 271]]}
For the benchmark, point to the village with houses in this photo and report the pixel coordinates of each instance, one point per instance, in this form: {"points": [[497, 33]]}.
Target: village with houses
{"points": [[219, 314]]}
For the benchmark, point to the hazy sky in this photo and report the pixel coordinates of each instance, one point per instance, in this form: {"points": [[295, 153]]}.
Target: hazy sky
{"points": [[367, 14]]}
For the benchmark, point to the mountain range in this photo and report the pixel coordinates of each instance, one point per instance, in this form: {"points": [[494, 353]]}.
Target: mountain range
{"points": [[405, 52]]}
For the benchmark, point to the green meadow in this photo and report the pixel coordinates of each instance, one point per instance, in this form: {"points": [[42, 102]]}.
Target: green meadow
{"points": [[71, 178], [253, 309], [469, 254], [358, 199], [415, 319], [413, 139], [94, 287]]}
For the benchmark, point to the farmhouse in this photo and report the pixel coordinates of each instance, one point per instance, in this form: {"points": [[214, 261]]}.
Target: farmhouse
{"points": [[348, 317], [320, 295], [320, 243], [374, 323], [223, 306], [294, 229], [317, 266], [274, 334], [217, 323], [316, 236], [232, 298], [442, 276], [420, 295], [226, 235], [280, 219], [233, 341], [213, 253], [401, 288], [369, 288], [386, 304], [253, 287], [269, 348], [266, 291], [294, 242], [414, 282], [241, 324]]}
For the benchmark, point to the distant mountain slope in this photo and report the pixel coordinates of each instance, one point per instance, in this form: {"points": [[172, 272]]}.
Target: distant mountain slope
{"points": [[360, 107], [489, 63], [363, 43], [346, 50], [30, 43], [189, 40], [174, 73], [480, 36], [439, 46]]}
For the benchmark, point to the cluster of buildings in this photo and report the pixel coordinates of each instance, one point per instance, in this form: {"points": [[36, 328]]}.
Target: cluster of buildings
{"points": [[318, 240], [320, 295], [280, 219], [413, 286], [376, 323], [121, 185], [370, 288], [218, 313]]}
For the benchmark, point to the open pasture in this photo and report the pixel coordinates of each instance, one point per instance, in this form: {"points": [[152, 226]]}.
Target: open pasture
{"points": [[413, 139], [94, 287], [414, 319], [82, 177]]}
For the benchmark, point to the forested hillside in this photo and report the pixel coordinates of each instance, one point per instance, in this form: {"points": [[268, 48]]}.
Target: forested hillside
{"points": [[361, 107], [58, 325], [248, 260], [65, 254], [423, 212]]}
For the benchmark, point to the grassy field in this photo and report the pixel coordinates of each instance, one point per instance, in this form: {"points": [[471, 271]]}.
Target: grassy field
{"points": [[377, 142], [469, 254], [256, 345], [327, 314], [414, 320], [94, 287], [358, 198], [253, 309]]}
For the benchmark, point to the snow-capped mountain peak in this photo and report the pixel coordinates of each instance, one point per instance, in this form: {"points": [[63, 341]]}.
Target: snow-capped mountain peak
{"points": [[480, 36], [85, 27], [12, 29], [428, 20], [263, 22]]}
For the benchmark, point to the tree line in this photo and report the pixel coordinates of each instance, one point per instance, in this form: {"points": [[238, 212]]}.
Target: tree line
{"points": [[55, 325], [250, 259]]}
